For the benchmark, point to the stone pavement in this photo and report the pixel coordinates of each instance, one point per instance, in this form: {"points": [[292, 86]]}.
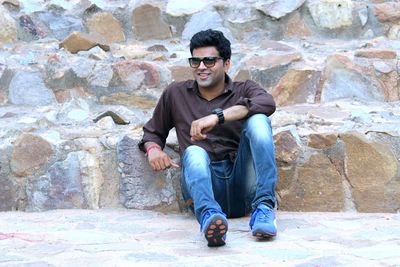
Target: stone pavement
{"points": [[144, 238]]}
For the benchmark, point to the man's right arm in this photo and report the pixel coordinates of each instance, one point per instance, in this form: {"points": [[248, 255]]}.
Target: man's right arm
{"points": [[155, 132]]}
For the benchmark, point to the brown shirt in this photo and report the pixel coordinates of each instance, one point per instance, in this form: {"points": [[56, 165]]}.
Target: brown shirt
{"points": [[181, 103]]}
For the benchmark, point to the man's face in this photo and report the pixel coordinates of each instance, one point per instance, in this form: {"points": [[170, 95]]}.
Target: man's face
{"points": [[209, 78]]}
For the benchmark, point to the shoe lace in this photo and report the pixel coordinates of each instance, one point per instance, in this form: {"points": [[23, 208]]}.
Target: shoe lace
{"points": [[262, 214]]}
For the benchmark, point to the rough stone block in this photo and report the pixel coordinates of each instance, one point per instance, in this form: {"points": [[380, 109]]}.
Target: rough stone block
{"points": [[8, 27], [73, 183], [387, 12], [107, 26], [148, 24], [79, 41], [331, 14], [287, 149], [279, 8], [316, 186], [345, 79], [10, 187], [141, 187], [297, 86], [30, 153], [373, 172], [28, 88]]}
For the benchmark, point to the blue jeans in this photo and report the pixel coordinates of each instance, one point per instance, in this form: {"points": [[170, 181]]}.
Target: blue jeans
{"points": [[233, 187]]}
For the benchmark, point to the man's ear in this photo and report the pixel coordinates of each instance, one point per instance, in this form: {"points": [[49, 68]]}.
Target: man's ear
{"points": [[227, 64]]}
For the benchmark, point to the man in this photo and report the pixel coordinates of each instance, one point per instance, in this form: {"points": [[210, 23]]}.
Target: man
{"points": [[225, 137]]}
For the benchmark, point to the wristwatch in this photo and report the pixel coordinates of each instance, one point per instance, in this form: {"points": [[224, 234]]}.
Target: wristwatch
{"points": [[220, 113]]}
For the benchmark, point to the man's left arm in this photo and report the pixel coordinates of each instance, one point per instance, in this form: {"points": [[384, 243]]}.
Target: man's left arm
{"points": [[255, 100], [203, 125]]}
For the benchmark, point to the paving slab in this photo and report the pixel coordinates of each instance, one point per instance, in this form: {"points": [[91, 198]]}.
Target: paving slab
{"points": [[122, 237]]}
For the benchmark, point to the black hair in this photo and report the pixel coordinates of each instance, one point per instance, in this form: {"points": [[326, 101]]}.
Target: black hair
{"points": [[212, 38]]}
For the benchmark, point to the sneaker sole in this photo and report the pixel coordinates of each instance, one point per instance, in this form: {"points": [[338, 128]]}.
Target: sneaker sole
{"points": [[263, 235], [216, 230]]}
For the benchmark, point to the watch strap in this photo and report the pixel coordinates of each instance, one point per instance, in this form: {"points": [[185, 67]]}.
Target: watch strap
{"points": [[220, 113]]}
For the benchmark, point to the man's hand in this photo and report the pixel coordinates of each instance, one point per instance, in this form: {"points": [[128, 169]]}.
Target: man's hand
{"points": [[201, 126], [159, 160]]}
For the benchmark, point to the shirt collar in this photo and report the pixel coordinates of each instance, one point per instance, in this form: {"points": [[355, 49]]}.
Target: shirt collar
{"points": [[228, 84]]}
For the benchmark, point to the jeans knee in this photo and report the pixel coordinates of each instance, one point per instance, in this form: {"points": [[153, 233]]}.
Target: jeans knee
{"points": [[259, 125], [195, 156], [195, 166], [257, 119], [194, 150]]}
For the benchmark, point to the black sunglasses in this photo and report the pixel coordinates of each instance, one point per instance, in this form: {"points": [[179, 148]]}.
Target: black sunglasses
{"points": [[209, 62]]}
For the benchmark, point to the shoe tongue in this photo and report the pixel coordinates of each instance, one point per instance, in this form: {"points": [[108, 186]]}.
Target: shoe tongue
{"points": [[264, 209]]}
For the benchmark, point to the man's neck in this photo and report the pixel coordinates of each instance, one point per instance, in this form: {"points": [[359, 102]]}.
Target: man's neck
{"points": [[211, 93]]}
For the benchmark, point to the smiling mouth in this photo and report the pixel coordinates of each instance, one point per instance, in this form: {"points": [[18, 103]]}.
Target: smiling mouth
{"points": [[203, 75]]}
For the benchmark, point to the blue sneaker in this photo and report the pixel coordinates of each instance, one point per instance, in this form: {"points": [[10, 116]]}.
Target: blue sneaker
{"points": [[214, 226], [263, 222]]}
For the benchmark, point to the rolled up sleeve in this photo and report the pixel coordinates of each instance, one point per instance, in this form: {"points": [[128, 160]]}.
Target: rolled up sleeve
{"points": [[256, 99], [157, 128]]}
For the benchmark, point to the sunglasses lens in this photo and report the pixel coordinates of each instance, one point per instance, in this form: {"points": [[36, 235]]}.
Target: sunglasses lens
{"points": [[194, 62], [209, 61]]}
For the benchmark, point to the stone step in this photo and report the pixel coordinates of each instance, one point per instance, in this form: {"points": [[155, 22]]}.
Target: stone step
{"points": [[120, 237]]}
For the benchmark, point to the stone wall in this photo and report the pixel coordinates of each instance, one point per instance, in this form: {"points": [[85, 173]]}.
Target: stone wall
{"points": [[79, 78]]}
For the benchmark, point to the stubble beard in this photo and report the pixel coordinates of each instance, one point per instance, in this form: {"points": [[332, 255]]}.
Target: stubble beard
{"points": [[208, 84]]}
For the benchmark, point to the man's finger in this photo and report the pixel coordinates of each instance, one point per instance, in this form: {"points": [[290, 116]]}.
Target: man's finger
{"points": [[153, 166], [199, 137], [193, 129], [174, 165], [158, 166], [166, 162]]}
